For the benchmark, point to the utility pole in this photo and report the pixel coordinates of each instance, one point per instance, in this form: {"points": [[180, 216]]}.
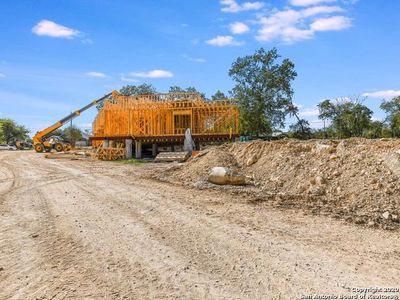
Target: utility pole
{"points": [[70, 131]]}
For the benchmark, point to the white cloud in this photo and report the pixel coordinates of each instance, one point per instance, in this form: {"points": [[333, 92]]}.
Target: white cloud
{"points": [[309, 2], [128, 79], [298, 105], [2, 75], [231, 6], [309, 112], [96, 74], [49, 28], [332, 23], [291, 25], [344, 99], [387, 94], [153, 74], [316, 10], [239, 28], [224, 40], [87, 41], [85, 125], [194, 59], [316, 124], [113, 86]]}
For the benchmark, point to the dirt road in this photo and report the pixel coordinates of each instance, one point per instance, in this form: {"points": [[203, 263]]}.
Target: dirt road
{"points": [[96, 230]]}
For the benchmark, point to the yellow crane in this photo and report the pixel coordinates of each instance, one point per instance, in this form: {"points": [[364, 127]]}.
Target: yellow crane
{"points": [[43, 142]]}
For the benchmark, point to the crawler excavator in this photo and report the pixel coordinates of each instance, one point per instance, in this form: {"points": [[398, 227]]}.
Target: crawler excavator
{"points": [[43, 141]]}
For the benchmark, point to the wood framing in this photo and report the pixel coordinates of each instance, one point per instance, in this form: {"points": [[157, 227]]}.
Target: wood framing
{"points": [[165, 116]]}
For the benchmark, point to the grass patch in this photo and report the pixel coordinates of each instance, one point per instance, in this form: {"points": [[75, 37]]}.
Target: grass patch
{"points": [[135, 162]]}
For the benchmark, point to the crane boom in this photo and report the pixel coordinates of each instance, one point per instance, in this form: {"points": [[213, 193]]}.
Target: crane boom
{"points": [[39, 139]]}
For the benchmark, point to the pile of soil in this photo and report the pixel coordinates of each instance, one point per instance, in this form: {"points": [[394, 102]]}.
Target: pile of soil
{"points": [[354, 179]]}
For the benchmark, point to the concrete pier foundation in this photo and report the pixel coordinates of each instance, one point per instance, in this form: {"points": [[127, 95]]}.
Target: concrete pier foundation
{"points": [[138, 149], [154, 150], [128, 149]]}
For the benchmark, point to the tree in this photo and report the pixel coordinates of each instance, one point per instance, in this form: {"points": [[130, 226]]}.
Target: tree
{"points": [[300, 130], [11, 131], [176, 89], [324, 133], [190, 89], [73, 134], [69, 134], [392, 110], [375, 130], [60, 133], [142, 89], [263, 88], [348, 118], [132, 90], [219, 96]]}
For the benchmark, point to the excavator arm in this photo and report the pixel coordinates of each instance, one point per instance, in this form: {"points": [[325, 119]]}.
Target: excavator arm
{"points": [[39, 139]]}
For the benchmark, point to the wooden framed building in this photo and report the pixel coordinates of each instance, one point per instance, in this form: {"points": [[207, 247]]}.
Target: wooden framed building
{"points": [[159, 118]]}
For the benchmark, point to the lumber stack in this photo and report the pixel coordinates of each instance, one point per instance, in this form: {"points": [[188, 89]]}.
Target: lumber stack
{"points": [[110, 153]]}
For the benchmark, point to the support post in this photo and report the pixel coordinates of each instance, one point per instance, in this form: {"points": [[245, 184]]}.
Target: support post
{"points": [[138, 149], [154, 150], [128, 149], [106, 143]]}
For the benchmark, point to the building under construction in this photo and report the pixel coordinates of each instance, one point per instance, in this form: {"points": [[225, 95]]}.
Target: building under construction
{"points": [[161, 119]]}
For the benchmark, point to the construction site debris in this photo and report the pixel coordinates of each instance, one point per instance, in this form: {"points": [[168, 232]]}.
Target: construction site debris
{"points": [[221, 175], [353, 179], [72, 155], [172, 156], [109, 153]]}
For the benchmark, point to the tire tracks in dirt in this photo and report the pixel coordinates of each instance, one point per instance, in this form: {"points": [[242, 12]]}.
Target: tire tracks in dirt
{"points": [[77, 229]]}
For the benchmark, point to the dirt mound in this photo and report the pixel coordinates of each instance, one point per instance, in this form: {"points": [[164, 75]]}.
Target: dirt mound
{"points": [[354, 179], [199, 166]]}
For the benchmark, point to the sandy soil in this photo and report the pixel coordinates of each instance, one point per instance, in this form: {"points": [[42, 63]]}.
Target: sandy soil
{"points": [[84, 229], [354, 179]]}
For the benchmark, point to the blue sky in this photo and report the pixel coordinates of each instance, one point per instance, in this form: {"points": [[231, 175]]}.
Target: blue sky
{"points": [[56, 56]]}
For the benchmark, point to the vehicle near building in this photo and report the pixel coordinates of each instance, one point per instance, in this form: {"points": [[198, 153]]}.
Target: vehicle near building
{"points": [[7, 147]]}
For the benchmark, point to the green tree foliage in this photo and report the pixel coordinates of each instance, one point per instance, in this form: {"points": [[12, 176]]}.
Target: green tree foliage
{"points": [[133, 90], [263, 88], [324, 133], [300, 130], [219, 96], [66, 132], [74, 134], [176, 89], [348, 118], [392, 110], [142, 89], [11, 131], [190, 89], [376, 129]]}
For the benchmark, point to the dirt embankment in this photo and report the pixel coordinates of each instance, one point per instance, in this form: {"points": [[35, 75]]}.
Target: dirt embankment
{"points": [[354, 179]]}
